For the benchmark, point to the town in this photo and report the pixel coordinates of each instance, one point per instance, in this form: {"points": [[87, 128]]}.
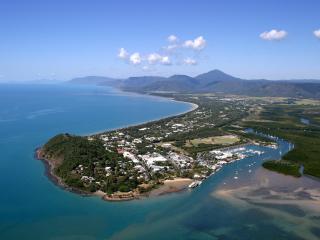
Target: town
{"points": [[126, 162]]}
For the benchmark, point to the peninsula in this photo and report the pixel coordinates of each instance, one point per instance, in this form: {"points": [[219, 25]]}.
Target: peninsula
{"points": [[178, 152], [163, 156]]}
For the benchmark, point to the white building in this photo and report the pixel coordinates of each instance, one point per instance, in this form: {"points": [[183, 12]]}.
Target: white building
{"points": [[137, 140], [152, 159], [130, 156]]}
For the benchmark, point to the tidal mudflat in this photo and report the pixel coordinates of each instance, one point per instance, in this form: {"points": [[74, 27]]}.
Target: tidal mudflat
{"points": [[293, 204]]}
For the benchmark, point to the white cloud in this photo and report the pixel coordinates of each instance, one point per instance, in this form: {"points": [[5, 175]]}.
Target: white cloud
{"points": [[172, 38], [172, 54], [165, 60], [123, 54], [317, 33], [135, 58], [190, 61], [273, 35], [197, 44], [154, 58]]}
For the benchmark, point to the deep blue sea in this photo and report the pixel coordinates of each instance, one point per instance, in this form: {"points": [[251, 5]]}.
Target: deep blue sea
{"points": [[32, 207]]}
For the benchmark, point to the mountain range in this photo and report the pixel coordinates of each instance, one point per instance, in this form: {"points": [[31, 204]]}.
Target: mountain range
{"points": [[214, 81]]}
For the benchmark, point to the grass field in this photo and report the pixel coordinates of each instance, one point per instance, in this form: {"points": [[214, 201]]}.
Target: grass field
{"points": [[308, 102], [216, 140]]}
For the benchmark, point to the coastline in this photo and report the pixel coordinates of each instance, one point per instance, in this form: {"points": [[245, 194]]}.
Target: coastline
{"points": [[166, 187], [49, 173], [169, 186], [193, 108]]}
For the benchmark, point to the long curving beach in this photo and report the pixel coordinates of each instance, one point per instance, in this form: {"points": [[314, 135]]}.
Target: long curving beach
{"points": [[165, 187]]}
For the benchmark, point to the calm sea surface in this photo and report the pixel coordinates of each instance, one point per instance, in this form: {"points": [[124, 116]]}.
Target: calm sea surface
{"points": [[31, 207]]}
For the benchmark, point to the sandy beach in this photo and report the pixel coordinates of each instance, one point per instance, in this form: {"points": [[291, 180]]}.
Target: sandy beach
{"points": [[170, 186]]}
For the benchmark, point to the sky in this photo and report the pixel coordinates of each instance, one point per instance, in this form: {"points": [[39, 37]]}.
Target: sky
{"points": [[63, 39]]}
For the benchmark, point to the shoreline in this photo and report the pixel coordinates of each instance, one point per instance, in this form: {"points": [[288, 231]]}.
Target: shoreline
{"points": [[171, 186], [193, 108], [49, 167], [166, 187], [57, 181]]}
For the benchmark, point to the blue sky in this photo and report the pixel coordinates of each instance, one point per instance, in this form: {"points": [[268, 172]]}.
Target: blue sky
{"points": [[62, 39]]}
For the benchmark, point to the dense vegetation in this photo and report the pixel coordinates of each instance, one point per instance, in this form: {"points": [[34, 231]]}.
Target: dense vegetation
{"points": [[95, 163], [285, 121], [74, 151], [283, 166], [98, 163]]}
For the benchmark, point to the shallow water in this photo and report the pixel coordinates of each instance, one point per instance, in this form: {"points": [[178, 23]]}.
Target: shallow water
{"points": [[31, 207]]}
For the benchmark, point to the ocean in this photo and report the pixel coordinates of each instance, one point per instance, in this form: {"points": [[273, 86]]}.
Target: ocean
{"points": [[32, 207]]}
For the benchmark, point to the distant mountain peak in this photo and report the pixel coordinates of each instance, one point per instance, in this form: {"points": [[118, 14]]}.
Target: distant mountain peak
{"points": [[216, 71], [215, 81], [216, 75]]}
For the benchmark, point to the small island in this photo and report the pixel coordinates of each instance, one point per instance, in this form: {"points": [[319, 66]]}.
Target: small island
{"points": [[167, 155]]}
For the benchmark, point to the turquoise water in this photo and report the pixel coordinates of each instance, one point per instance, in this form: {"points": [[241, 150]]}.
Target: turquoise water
{"points": [[31, 207]]}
